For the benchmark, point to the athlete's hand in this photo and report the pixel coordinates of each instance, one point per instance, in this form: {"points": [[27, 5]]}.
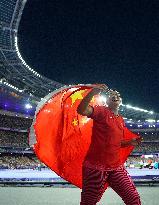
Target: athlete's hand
{"points": [[97, 88]]}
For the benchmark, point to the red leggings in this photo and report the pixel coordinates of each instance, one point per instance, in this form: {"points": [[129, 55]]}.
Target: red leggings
{"points": [[119, 180]]}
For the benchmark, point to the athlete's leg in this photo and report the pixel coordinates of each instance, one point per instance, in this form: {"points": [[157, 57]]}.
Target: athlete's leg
{"points": [[92, 185], [120, 181]]}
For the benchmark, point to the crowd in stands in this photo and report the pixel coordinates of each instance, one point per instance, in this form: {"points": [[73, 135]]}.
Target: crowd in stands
{"points": [[147, 147], [150, 136], [19, 138], [19, 162], [13, 138], [15, 122], [32, 162]]}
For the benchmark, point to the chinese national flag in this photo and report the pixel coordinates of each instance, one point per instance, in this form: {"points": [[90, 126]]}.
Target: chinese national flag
{"points": [[61, 138]]}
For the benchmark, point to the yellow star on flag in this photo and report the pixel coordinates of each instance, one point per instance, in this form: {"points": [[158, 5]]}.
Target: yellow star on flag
{"points": [[93, 99], [75, 122], [77, 95]]}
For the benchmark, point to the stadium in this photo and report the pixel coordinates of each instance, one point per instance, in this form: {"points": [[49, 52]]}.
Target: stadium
{"points": [[23, 177]]}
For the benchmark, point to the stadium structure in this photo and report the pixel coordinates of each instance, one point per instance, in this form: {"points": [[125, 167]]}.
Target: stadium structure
{"points": [[20, 93]]}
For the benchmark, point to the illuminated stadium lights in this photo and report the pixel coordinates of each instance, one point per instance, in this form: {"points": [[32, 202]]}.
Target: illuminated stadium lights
{"points": [[150, 126], [129, 121], [28, 106], [150, 120], [9, 85], [139, 125], [20, 57], [139, 109]]}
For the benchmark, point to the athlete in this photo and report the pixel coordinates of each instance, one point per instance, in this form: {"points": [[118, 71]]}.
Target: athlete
{"points": [[102, 162]]}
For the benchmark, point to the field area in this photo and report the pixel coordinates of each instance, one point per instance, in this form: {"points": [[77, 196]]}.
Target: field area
{"points": [[67, 196]]}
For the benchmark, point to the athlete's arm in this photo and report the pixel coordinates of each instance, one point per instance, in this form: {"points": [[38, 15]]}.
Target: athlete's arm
{"points": [[84, 108]]}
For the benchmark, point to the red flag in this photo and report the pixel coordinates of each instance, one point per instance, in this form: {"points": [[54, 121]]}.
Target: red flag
{"points": [[61, 138]]}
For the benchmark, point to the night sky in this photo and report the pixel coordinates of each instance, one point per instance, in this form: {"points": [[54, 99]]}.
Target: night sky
{"points": [[85, 41]]}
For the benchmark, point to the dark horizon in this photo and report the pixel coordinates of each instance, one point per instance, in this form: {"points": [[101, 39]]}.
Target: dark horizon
{"points": [[116, 43]]}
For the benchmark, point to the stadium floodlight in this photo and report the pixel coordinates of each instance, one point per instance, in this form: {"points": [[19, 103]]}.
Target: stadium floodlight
{"points": [[22, 60], [9, 85], [28, 106], [150, 120], [139, 125], [138, 109], [129, 121], [129, 106]]}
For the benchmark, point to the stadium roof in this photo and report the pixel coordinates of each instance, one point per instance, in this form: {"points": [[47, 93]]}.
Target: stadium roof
{"points": [[16, 75], [14, 71]]}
